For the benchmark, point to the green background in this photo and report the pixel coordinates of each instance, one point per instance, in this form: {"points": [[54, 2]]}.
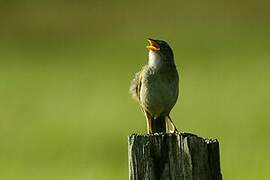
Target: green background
{"points": [[66, 66]]}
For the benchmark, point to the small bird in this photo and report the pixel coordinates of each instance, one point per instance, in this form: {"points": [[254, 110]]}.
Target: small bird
{"points": [[156, 87]]}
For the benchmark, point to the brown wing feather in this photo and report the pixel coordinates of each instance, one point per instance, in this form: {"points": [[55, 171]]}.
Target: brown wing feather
{"points": [[135, 86]]}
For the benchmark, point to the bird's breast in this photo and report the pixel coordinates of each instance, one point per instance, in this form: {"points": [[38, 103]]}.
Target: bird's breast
{"points": [[159, 90]]}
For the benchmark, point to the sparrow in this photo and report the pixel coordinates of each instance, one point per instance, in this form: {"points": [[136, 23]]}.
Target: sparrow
{"points": [[156, 87]]}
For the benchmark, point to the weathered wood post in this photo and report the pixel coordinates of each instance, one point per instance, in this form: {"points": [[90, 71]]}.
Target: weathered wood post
{"points": [[178, 156]]}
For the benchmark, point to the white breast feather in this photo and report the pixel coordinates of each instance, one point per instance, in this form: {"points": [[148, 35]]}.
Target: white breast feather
{"points": [[154, 59]]}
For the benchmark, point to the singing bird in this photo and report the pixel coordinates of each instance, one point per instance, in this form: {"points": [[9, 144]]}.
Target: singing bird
{"points": [[156, 87]]}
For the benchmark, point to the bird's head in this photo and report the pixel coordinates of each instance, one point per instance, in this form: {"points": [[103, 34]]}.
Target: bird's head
{"points": [[159, 52]]}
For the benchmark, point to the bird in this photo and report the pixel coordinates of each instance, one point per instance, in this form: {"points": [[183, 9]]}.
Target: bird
{"points": [[156, 87]]}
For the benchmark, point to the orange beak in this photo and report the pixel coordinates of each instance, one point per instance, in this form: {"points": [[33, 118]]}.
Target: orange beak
{"points": [[153, 45]]}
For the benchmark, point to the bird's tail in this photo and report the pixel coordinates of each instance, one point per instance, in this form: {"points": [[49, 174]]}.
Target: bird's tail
{"points": [[155, 125], [158, 125], [161, 124]]}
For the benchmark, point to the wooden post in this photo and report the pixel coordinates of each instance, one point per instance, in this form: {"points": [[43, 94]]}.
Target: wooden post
{"points": [[178, 156]]}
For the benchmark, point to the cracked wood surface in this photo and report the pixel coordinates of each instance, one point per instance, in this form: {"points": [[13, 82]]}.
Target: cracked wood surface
{"points": [[178, 156]]}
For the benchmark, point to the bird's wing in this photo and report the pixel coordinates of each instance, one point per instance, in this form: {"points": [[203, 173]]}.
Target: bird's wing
{"points": [[135, 86]]}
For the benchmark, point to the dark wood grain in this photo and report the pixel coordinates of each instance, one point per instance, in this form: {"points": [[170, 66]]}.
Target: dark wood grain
{"points": [[173, 157]]}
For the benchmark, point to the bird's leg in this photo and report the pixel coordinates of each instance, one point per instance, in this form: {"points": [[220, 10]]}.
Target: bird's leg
{"points": [[174, 127], [148, 122]]}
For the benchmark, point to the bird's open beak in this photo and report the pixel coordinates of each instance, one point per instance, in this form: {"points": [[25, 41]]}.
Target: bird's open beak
{"points": [[153, 45]]}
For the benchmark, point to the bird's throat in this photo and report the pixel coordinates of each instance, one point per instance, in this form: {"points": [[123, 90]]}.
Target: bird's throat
{"points": [[154, 60]]}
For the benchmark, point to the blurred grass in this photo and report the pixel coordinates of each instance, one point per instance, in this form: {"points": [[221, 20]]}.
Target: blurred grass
{"points": [[65, 111]]}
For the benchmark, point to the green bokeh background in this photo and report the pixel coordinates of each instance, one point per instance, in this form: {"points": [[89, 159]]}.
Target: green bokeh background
{"points": [[66, 66]]}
